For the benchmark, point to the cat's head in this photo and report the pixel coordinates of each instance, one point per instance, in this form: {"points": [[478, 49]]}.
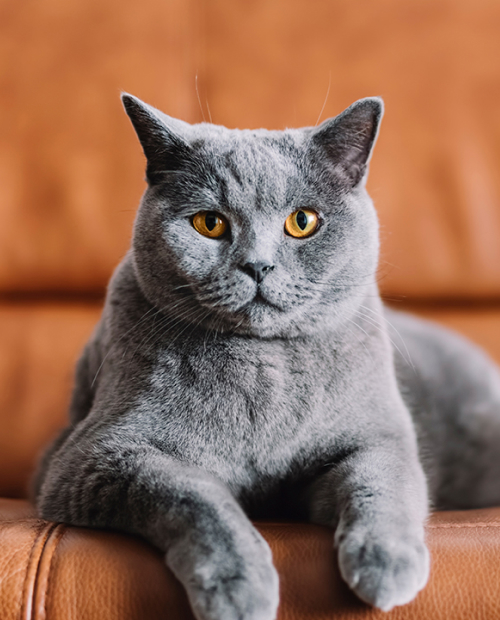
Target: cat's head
{"points": [[265, 233]]}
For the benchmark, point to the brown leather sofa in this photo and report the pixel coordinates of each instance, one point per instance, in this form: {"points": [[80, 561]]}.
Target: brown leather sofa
{"points": [[70, 180]]}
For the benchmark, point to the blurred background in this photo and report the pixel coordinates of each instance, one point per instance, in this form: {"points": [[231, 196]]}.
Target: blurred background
{"points": [[71, 169]]}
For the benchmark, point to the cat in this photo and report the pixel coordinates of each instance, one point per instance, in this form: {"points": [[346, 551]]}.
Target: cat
{"points": [[245, 367]]}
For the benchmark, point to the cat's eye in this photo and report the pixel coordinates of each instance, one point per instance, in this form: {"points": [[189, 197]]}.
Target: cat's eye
{"points": [[301, 223], [209, 224]]}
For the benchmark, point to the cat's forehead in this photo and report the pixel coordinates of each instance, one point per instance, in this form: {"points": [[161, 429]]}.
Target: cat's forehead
{"points": [[252, 157], [250, 146], [258, 167]]}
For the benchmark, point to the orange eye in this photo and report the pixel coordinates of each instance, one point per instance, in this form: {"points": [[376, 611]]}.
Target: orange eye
{"points": [[209, 224], [301, 223]]}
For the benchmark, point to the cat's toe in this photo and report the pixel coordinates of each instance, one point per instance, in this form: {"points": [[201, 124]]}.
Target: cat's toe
{"points": [[384, 571], [230, 586], [239, 597]]}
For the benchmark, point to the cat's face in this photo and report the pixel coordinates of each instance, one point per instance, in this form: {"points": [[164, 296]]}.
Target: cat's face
{"points": [[265, 233]]}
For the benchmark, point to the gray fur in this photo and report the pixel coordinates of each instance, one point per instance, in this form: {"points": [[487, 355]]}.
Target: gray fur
{"points": [[198, 406]]}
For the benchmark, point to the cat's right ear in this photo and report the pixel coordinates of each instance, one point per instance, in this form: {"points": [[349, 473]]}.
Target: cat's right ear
{"points": [[160, 136]]}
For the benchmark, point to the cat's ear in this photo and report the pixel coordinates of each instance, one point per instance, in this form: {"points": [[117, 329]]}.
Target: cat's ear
{"points": [[161, 137], [348, 139]]}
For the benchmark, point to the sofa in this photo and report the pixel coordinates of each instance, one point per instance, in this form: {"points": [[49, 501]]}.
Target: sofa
{"points": [[71, 175]]}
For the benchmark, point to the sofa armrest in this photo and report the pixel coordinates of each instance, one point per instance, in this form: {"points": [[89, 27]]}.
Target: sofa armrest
{"points": [[55, 572], [50, 571]]}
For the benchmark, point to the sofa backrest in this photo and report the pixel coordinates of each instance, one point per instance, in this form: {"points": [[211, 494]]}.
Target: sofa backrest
{"points": [[71, 169]]}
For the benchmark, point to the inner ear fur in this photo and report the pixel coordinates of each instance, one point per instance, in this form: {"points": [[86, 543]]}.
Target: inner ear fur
{"points": [[348, 139]]}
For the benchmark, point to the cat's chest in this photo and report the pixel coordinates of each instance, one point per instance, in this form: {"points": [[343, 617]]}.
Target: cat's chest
{"points": [[241, 408]]}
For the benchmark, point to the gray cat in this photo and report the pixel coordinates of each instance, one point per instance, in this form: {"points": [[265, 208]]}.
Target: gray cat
{"points": [[244, 367]]}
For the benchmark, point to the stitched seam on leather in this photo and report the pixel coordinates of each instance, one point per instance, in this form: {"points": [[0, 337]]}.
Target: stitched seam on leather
{"points": [[28, 591], [60, 534], [16, 521], [43, 576]]}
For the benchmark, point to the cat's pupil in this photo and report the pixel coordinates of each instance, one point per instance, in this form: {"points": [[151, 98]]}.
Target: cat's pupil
{"points": [[210, 221], [301, 219]]}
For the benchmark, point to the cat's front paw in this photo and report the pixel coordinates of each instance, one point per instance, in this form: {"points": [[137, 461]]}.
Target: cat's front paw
{"points": [[384, 569], [239, 597], [229, 585]]}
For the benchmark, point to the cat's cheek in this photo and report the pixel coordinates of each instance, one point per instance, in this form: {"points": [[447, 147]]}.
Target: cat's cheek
{"points": [[191, 255]]}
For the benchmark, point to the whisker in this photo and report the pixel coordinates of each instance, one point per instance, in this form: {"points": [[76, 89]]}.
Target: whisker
{"points": [[326, 98], [169, 328], [408, 356], [379, 326], [198, 95], [175, 320], [197, 324], [114, 345], [360, 341], [164, 322], [208, 110], [176, 288]]}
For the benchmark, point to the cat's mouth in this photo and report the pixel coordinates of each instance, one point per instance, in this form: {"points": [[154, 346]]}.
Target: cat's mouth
{"points": [[260, 301]]}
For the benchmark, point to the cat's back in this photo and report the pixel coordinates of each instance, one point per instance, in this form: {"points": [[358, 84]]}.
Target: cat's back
{"points": [[453, 367], [452, 388]]}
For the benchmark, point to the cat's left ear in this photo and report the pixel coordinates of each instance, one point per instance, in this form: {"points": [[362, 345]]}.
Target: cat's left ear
{"points": [[348, 139]]}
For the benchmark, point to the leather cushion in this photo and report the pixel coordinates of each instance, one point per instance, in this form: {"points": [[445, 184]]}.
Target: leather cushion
{"points": [[55, 572]]}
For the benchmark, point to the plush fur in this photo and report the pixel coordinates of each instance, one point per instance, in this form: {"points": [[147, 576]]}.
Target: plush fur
{"points": [[206, 398]]}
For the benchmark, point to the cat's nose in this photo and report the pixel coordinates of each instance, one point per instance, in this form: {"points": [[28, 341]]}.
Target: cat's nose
{"points": [[257, 271]]}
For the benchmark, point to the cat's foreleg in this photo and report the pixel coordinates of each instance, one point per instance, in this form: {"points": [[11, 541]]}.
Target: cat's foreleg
{"points": [[377, 499], [82, 398], [209, 543], [87, 375]]}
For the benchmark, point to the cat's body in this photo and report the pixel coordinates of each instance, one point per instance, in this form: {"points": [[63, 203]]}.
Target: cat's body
{"points": [[255, 372], [452, 389]]}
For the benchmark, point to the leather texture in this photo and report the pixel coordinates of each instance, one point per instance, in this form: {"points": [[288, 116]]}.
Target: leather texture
{"points": [[39, 345], [71, 167], [55, 572], [70, 181]]}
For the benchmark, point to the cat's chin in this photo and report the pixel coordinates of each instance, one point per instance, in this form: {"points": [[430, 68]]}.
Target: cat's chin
{"points": [[257, 319], [260, 319]]}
